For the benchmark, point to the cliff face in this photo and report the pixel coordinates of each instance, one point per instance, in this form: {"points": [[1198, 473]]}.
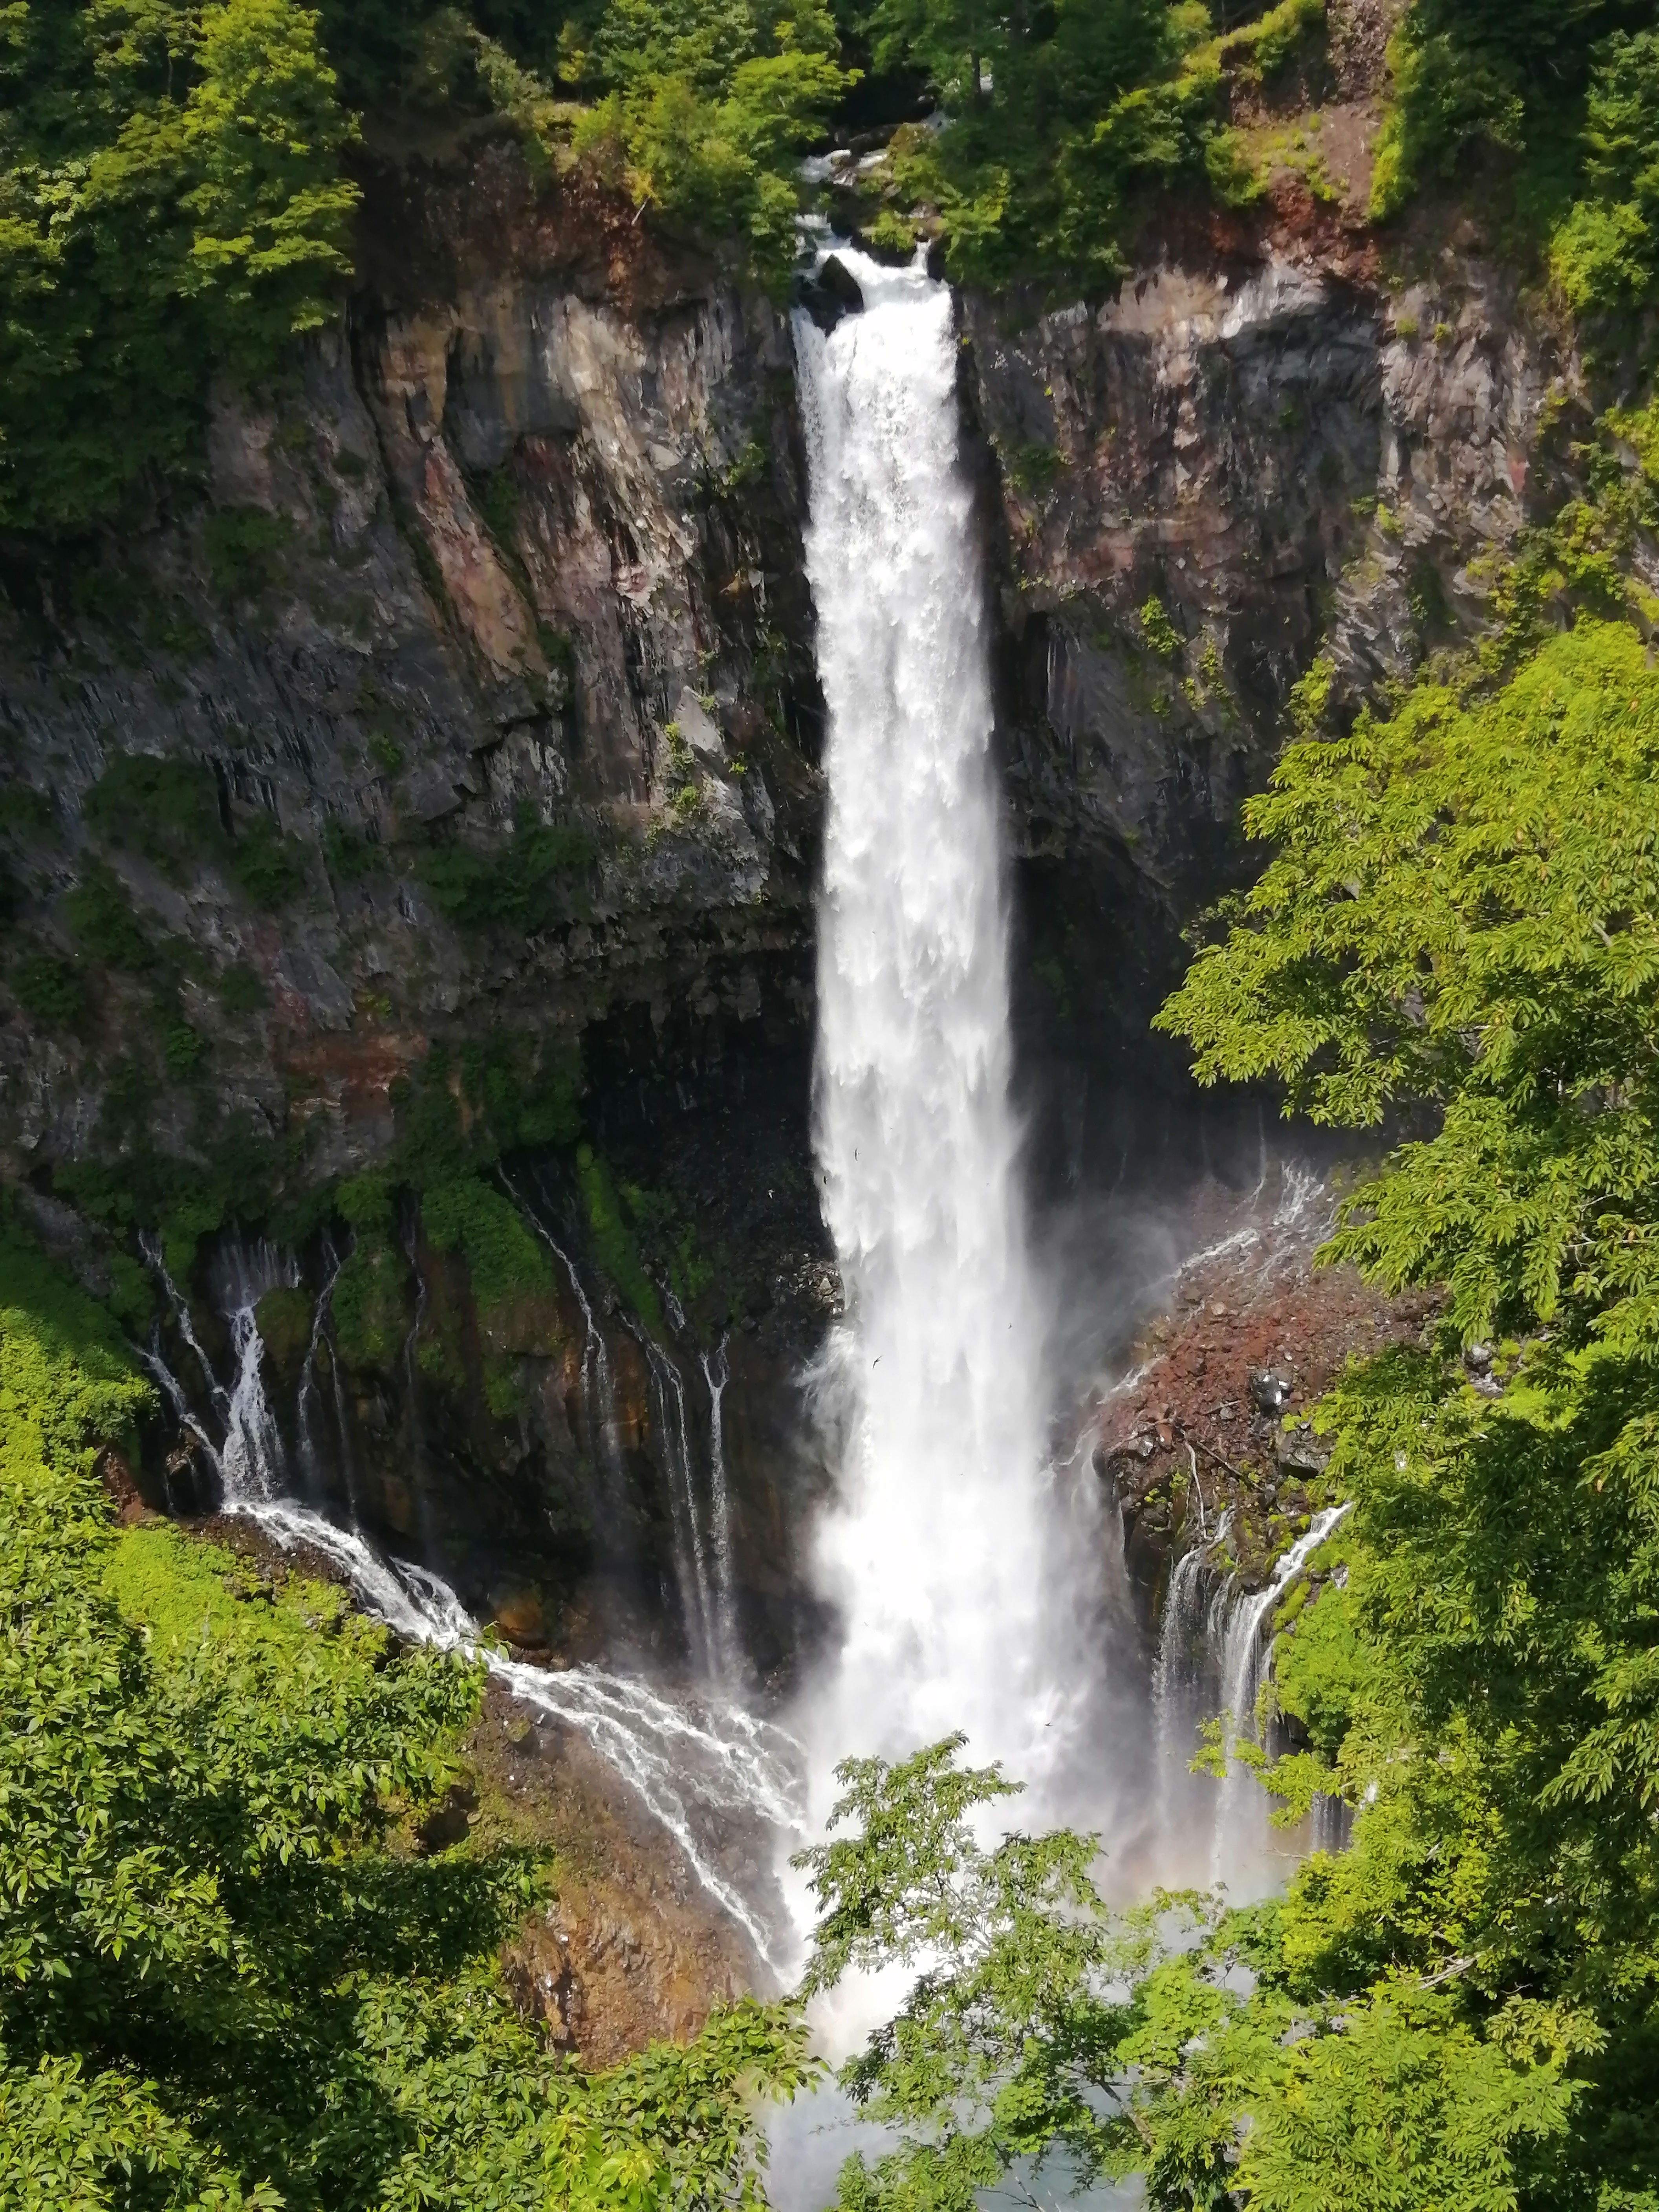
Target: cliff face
{"points": [[1271, 445], [520, 544], [486, 655]]}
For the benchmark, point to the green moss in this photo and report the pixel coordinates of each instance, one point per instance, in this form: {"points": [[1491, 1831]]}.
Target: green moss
{"points": [[365, 1201], [1036, 469], [614, 1245], [504, 1260], [369, 1307], [282, 1318]]}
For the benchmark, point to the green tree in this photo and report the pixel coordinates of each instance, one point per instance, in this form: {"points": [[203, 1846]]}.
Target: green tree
{"points": [[1459, 921], [708, 105], [221, 1987], [173, 201]]}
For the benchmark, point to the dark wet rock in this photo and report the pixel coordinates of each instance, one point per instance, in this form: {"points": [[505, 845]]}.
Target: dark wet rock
{"points": [[832, 292]]}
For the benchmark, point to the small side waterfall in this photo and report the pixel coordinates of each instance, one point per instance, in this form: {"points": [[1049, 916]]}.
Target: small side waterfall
{"points": [[253, 1460], [700, 1764], [1243, 1834], [716, 1373], [1213, 1655]]}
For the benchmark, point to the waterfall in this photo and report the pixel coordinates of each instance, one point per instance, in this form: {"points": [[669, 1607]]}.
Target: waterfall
{"points": [[936, 1553], [605, 1444], [716, 1373], [699, 1764], [254, 1461], [690, 1550], [694, 1766], [1243, 1850]]}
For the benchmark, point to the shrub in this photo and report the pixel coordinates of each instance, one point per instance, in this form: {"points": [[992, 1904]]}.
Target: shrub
{"points": [[48, 990], [165, 808], [266, 864], [103, 922], [534, 882], [369, 1305], [614, 1243], [504, 1260], [175, 208]]}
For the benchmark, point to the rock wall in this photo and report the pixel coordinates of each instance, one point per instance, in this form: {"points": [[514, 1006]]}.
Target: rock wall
{"points": [[1278, 441], [517, 551]]}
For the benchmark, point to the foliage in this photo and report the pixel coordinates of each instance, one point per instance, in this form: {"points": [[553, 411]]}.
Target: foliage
{"points": [[1046, 2035], [282, 1318], [221, 1988], [266, 864], [506, 1262], [1606, 252], [48, 990], [615, 1245], [1060, 116], [242, 546], [532, 883], [173, 201], [167, 810], [368, 1306], [164, 808], [1469, 73], [708, 105]]}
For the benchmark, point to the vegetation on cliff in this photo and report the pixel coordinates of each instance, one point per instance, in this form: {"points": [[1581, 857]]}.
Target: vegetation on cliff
{"points": [[178, 192], [227, 1981]]}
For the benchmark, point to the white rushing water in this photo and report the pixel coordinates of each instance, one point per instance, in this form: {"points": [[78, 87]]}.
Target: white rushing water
{"points": [[934, 1555]]}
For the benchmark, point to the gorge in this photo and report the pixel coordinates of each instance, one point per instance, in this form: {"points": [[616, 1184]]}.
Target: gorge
{"points": [[715, 894]]}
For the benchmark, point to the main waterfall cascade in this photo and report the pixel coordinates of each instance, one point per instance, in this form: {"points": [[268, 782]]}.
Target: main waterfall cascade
{"points": [[938, 1553]]}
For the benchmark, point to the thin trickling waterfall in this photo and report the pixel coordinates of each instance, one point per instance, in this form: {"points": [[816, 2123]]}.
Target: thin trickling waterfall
{"points": [[598, 1391], [716, 1373], [935, 1554], [308, 1402], [691, 1573], [696, 1766], [1243, 1853]]}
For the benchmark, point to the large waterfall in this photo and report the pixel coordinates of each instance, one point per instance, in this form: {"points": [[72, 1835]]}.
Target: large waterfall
{"points": [[935, 1554]]}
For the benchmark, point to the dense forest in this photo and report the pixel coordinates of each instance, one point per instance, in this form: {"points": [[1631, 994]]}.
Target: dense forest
{"points": [[232, 1976]]}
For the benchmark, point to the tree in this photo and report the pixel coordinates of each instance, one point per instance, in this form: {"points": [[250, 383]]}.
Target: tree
{"points": [[219, 1986], [173, 202]]}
